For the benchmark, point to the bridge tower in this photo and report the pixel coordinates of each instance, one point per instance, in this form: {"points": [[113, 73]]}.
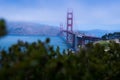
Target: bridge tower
{"points": [[69, 23], [61, 27]]}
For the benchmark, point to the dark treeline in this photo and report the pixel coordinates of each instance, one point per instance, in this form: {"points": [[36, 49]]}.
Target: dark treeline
{"points": [[38, 61], [111, 36]]}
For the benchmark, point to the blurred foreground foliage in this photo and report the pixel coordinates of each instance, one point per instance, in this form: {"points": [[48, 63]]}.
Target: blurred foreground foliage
{"points": [[39, 61]]}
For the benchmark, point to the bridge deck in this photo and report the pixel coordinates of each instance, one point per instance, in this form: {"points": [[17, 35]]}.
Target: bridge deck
{"points": [[79, 39]]}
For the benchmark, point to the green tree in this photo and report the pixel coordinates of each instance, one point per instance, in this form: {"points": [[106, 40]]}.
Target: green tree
{"points": [[39, 61], [3, 29]]}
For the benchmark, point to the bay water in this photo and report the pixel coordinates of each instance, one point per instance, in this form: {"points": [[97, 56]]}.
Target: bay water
{"points": [[9, 40]]}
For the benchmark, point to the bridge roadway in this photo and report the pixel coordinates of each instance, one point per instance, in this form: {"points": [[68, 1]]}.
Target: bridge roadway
{"points": [[77, 39]]}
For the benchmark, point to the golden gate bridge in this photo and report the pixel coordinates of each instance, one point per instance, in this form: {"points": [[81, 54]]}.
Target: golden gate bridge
{"points": [[75, 39]]}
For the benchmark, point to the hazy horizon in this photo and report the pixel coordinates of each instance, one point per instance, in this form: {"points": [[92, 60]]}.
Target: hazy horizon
{"points": [[88, 14]]}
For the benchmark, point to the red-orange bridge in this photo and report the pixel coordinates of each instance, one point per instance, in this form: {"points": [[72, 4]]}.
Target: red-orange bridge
{"points": [[75, 39]]}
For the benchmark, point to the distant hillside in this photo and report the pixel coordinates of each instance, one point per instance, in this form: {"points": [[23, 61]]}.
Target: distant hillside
{"points": [[96, 32], [24, 28]]}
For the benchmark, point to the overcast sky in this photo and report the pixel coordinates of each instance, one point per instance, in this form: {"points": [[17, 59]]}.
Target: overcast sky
{"points": [[88, 14]]}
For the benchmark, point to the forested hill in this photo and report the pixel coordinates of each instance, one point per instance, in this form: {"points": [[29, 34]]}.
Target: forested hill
{"points": [[115, 35]]}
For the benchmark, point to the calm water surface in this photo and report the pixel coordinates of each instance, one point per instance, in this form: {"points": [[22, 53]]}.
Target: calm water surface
{"points": [[9, 40]]}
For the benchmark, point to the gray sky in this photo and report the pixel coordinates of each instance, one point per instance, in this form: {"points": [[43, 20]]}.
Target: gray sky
{"points": [[88, 14]]}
